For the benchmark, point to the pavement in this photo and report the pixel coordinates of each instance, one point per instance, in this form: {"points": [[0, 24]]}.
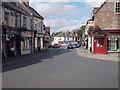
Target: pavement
{"points": [[22, 57], [109, 57]]}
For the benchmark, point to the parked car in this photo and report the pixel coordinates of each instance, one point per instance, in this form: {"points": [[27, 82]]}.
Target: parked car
{"points": [[70, 46], [56, 46], [50, 46], [76, 45]]}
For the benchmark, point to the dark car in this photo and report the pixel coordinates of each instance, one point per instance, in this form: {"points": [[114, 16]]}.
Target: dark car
{"points": [[77, 45], [56, 46], [70, 46], [50, 46]]}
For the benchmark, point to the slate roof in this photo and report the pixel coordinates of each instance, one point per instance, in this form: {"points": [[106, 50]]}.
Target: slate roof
{"points": [[13, 7], [23, 8], [35, 13], [65, 34]]}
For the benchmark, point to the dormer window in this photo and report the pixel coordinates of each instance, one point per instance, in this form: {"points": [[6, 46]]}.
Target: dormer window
{"points": [[117, 7]]}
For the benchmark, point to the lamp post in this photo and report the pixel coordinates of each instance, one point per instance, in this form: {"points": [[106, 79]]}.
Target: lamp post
{"points": [[83, 29]]}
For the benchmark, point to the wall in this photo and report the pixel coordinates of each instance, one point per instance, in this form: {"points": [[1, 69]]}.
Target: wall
{"points": [[106, 18]]}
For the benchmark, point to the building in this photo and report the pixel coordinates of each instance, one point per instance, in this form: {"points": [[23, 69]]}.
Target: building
{"points": [[1, 28], [64, 38], [11, 13], [59, 39], [47, 38], [38, 29], [22, 25], [88, 42], [106, 32]]}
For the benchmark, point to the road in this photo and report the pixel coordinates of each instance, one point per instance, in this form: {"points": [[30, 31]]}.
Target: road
{"points": [[60, 68]]}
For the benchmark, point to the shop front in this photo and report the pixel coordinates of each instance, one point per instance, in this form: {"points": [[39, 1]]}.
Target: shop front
{"points": [[100, 44], [107, 42], [39, 42], [11, 42], [47, 42], [27, 42]]}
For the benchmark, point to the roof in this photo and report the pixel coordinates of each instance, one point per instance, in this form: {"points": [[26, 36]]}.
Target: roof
{"points": [[60, 35], [65, 34], [100, 7], [23, 8], [35, 13], [13, 7]]}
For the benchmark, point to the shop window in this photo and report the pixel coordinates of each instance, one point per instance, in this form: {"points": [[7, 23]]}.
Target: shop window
{"points": [[112, 44], [100, 42], [26, 44], [118, 43]]}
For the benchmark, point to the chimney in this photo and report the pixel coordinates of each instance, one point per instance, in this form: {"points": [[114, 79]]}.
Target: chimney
{"points": [[95, 9], [26, 2]]}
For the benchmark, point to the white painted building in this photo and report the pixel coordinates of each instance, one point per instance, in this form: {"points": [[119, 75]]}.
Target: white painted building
{"points": [[88, 38], [64, 38]]}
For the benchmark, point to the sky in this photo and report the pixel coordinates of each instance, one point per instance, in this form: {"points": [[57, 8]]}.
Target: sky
{"points": [[65, 15]]}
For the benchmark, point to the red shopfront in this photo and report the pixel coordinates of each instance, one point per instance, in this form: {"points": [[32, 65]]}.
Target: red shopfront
{"points": [[108, 41]]}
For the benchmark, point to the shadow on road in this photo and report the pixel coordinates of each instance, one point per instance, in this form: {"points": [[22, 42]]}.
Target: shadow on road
{"points": [[27, 61]]}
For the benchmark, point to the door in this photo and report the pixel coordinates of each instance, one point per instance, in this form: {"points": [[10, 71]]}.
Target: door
{"points": [[100, 45]]}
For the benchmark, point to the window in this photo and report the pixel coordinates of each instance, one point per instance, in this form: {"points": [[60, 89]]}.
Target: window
{"points": [[31, 24], [35, 24], [24, 21], [6, 18], [112, 44], [100, 42], [117, 7], [16, 21]]}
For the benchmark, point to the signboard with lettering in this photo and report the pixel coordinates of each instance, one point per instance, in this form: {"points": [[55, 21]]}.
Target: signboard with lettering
{"points": [[27, 34]]}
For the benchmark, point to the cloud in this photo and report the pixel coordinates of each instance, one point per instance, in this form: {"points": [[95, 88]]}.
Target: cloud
{"points": [[52, 9], [67, 0], [61, 24], [62, 16], [94, 3]]}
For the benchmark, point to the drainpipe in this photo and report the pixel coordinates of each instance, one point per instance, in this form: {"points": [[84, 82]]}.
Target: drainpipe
{"points": [[32, 46], [20, 35]]}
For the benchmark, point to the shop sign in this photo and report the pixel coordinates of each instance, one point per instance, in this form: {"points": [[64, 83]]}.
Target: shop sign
{"points": [[27, 34], [6, 10], [39, 35], [11, 32]]}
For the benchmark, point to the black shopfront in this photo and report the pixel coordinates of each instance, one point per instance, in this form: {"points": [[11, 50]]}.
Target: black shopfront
{"points": [[11, 42]]}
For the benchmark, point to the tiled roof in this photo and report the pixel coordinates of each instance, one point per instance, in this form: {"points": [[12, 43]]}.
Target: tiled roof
{"points": [[101, 6]]}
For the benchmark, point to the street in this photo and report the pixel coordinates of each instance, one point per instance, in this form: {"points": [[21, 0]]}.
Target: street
{"points": [[60, 68]]}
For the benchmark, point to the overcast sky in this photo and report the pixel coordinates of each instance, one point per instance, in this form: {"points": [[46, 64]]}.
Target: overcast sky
{"points": [[65, 15]]}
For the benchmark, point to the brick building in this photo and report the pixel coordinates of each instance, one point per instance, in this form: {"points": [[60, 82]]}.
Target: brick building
{"points": [[106, 35], [106, 16]]}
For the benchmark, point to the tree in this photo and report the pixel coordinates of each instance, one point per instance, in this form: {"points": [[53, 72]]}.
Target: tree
{"points": [[81, 31], [58, 32], [83, 28]]}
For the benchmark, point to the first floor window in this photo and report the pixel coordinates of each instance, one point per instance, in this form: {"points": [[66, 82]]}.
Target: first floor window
{"points": [[117, 7]]}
